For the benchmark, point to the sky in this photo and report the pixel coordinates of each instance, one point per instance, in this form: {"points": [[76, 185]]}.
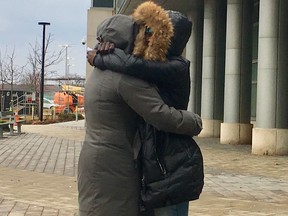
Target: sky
{"points": [[68, 26]]}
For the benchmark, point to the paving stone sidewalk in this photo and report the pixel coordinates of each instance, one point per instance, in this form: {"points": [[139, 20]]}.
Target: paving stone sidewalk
{"points": [[38, 175]]}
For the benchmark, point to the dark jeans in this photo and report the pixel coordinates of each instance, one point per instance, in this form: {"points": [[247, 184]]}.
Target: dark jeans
{"points": [[180, 209]]}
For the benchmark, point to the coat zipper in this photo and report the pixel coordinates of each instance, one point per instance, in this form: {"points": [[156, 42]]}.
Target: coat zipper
{"points": [[162, 168]]}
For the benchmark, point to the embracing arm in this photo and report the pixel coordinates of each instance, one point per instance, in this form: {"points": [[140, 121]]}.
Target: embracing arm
{"points": [[146, 101], [151, 71]]}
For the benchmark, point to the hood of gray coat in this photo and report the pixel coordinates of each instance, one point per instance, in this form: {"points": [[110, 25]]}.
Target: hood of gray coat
{"points": [[182, 31], [120, 30]]}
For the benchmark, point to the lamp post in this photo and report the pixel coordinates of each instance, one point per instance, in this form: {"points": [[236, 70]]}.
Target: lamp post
{"points": [[42, 71]]}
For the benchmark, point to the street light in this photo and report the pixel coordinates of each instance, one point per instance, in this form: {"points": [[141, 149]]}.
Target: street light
{"points": [[42, 72]]}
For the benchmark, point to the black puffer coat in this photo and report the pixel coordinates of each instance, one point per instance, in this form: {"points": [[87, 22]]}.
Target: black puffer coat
{"points": [[168, 161]]}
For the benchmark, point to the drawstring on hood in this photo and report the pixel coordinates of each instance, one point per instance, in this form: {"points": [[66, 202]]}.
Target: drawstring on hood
{"points": [[120, 30], [149, 14]]}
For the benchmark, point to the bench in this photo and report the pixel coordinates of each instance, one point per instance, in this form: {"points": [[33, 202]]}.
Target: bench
{"points": [[10, 119], [2, 126]]}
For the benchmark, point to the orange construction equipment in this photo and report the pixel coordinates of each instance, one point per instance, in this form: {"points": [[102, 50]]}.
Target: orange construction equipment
{"points": [[69, 100]]}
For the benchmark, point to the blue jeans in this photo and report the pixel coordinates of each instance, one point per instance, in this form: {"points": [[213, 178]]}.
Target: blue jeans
{"points": [[180, 209]]}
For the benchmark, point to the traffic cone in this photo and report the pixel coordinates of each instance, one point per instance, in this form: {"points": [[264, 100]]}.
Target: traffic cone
{"points": [[16, 119]]}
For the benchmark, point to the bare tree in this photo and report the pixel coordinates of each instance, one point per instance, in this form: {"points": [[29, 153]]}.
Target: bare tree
{"points": [[77, 80], [2, 71], [10, 73], [32, 76], [13, 73], [12, 70]]}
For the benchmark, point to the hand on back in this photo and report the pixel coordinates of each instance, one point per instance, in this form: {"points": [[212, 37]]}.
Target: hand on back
{"points": [[102, 48]]}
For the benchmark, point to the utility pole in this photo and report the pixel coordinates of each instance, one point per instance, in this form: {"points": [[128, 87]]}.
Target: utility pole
{"points": [[66, 46], [42, 72]]}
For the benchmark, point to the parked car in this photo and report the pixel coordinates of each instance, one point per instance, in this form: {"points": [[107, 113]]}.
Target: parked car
{"points": [[49, 104]]}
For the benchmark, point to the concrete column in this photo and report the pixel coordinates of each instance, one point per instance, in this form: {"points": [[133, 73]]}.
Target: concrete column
{"points": [[210, 127], [270, 137], [236, 128], [194, 55], [212, 81]]}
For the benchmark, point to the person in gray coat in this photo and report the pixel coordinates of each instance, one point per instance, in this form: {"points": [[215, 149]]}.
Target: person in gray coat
{"points": [[108, 182]]}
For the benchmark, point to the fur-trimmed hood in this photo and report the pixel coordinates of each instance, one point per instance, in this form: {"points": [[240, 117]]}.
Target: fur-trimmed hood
{"points": [[152, 15]]}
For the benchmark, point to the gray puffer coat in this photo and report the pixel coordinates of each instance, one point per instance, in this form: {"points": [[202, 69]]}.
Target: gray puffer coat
{"points": [[108, 182]]}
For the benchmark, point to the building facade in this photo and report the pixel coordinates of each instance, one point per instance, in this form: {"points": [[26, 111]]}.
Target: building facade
{"points": [[238, 51]]}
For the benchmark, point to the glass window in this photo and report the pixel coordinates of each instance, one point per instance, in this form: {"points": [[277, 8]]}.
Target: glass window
{"points": [[255, 41], [253, 100], [254, 90], [254, 72], [103, 3]]}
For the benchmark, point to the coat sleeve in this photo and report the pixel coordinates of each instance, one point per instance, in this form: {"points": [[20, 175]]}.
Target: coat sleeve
{"points": [[163, 73], [144, 99]]}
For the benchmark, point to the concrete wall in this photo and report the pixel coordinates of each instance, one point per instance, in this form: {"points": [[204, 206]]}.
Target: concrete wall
{"points": [[94, 17]]}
